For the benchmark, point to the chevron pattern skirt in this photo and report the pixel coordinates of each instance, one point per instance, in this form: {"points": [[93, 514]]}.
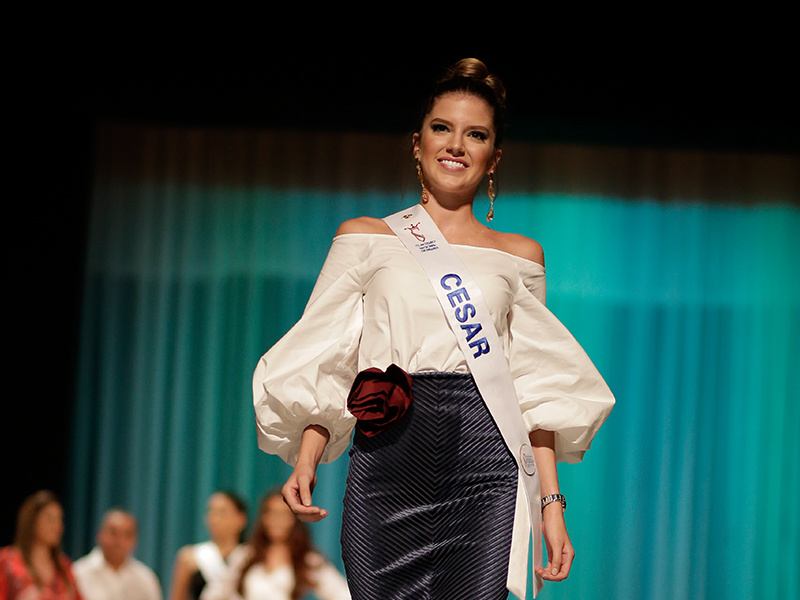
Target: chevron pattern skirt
{"points": [[429, 504]]}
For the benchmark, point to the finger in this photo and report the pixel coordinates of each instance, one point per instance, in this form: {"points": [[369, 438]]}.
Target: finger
{"points": [[568, 558], [312, 514], [555, 562], [297, 496], [553, 566], [305, 487], [303, 512], [291, 496], [547, 574], [550, 573]]}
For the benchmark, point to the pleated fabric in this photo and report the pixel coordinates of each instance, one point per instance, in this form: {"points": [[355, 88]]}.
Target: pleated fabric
{"points": [[429, 504]]}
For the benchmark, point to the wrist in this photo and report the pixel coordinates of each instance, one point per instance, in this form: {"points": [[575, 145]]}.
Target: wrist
{"points": [[312, 446], [553, 513]]}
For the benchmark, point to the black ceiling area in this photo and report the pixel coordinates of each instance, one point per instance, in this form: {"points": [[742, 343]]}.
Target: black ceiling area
{"points": [[706, 91]]}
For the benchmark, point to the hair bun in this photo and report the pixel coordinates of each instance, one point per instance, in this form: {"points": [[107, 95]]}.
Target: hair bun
{"points": [[473, 68], [470, 75]]}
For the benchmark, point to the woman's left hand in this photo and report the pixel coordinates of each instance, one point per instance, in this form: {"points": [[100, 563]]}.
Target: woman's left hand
{"points": [[560, 552]]}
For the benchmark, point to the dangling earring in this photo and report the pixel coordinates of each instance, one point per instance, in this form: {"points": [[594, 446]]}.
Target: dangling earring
{"points": [[492, 196], [422, 183]]}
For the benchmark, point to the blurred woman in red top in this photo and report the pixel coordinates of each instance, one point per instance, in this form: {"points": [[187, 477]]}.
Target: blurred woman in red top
{"points": [[35, 568]]}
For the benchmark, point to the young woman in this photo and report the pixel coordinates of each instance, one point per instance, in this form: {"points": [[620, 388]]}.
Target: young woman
{"points": [[432, 498], [281, 563], [35, 567], [197, 565]]}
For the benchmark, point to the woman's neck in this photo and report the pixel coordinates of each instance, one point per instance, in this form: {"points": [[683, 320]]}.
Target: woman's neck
{"points": [[449, 207], [277, 555], [456, 221], [42, 561], [226, 546]]}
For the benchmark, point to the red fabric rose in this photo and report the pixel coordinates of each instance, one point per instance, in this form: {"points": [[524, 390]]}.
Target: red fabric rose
{"points": [[378, 399]]}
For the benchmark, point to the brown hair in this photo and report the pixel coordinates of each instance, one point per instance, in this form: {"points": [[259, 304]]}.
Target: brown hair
{"points": [[24, 535], [239, 504], [471, 76], [299, 545]]}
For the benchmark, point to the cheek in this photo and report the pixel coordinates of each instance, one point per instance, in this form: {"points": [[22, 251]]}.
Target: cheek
{"points": [[425, 146]]}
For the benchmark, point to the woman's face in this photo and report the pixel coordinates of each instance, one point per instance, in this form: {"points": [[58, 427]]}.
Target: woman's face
{"points": [[278, 520], [455, 147], [49, 525], [223, 518]]}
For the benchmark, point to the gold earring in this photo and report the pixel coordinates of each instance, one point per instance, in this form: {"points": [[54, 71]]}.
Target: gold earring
{"points": [[422, 183], [492, 196]]}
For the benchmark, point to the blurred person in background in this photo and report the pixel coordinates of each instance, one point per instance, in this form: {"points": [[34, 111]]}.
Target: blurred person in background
{"points": [[110, 571], [198, 565], [35, 567], [281, 563]]}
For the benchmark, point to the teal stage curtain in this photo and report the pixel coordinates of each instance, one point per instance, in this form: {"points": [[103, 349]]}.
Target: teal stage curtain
{"points": [[676, 270]]}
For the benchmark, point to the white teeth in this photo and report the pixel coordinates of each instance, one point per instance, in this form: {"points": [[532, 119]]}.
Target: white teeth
{"points": [[452, 163]]}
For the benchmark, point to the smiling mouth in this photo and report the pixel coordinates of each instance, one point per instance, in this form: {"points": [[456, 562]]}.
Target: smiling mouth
{"points": [[452, 164]]}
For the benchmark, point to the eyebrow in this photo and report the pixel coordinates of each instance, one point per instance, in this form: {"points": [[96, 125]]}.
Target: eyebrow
{"points": [[450, 123]]}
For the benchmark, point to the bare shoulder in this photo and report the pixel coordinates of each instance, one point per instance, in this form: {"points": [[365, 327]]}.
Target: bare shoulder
{"points": [[185, 558], [521, 246], [364, 225]]}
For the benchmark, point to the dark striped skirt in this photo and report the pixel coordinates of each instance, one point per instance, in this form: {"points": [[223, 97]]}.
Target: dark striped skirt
{"points": [[429, 504]]}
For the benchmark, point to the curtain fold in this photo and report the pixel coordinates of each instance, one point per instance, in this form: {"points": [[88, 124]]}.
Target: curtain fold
{"points": [[674, 269]]}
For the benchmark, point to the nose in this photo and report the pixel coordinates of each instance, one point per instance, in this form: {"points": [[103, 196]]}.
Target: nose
{"points": [[455, 145]]}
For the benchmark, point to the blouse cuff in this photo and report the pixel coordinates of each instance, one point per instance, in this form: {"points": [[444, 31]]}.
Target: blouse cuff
{"points": [[280, 421]]}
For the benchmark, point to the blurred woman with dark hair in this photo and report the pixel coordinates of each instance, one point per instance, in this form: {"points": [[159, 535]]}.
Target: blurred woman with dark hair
{"points": [[282, 563], [198, 565], [35, 567]]}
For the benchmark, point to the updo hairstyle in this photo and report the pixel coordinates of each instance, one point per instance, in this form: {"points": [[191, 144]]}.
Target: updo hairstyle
{"points": [[471, 76]]}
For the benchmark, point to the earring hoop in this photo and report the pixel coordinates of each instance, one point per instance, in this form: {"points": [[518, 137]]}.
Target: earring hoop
{"points": [[492, 196]]}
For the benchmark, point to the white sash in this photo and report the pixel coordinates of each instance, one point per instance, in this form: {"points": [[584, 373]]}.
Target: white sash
{"points": [[469, 318], [209, 560]]}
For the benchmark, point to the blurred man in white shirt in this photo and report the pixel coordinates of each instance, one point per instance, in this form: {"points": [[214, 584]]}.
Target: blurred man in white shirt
{"points": [[109, 571]]}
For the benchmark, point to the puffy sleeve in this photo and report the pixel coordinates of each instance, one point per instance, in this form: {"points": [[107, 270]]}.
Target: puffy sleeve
{"points": [[559, 387], [305, 377]]}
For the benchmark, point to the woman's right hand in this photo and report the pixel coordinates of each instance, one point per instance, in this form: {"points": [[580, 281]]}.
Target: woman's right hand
{"points": [[298, 488]]}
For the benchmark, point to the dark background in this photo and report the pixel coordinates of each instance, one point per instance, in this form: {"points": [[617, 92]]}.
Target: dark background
{"points": [[728, 93]]}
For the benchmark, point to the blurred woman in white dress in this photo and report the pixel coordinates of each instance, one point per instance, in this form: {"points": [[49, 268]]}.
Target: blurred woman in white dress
{"points": [[281, 563], [199, 565]]}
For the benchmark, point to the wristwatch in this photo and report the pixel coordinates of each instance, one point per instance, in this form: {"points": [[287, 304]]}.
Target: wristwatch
{"points": [[555, 498]]}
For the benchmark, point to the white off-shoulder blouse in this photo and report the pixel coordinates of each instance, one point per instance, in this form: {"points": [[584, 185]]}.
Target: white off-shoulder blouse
{"points": [[373, 306]]}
